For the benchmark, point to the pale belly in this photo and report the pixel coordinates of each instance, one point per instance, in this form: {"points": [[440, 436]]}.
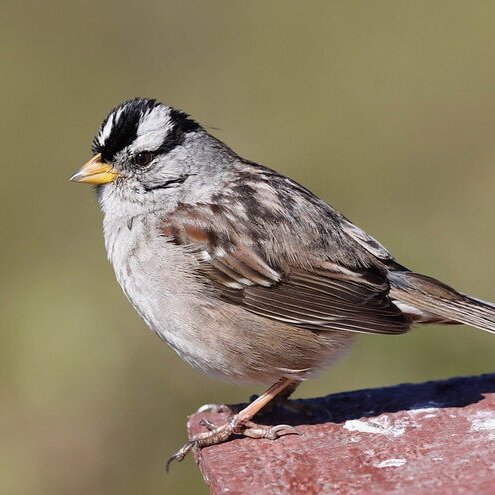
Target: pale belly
{"points": [[221, 339]]}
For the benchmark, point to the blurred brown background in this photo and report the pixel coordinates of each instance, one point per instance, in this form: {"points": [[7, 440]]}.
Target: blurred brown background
{"points": [[386, 109]]}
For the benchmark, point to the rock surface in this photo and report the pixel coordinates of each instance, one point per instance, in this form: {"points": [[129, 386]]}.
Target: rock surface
{"points": [[431, 438]]}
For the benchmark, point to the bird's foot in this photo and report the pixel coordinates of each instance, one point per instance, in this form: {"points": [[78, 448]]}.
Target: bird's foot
{"points": [[237, 425]]}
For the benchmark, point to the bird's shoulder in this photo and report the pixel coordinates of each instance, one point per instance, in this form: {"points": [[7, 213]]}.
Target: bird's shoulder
{"points": [[273, 274]]}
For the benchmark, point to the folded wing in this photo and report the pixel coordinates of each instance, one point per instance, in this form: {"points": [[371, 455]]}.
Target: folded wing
{"points": [[314, 294]]}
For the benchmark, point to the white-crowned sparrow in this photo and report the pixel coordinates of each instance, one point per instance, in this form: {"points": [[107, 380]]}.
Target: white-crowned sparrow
{"points": [[243, 272]]}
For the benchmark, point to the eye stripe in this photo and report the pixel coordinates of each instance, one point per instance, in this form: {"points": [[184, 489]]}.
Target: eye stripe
{"points": [[132, 120], [124, 126], [182, 124]]}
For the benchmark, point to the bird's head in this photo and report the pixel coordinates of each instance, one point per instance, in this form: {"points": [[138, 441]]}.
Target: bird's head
{"points": [[142, 152]]}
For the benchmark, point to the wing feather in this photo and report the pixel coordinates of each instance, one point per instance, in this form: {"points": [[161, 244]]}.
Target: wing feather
{"points": [[314, 295]]}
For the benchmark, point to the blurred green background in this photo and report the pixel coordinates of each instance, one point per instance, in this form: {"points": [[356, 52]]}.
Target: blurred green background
{"points": [[386, 109]]}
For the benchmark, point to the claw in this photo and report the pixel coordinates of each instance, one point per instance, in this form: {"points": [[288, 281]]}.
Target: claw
{"points": [[207, 424], [180, 454], [238, 424], [256, 431], [219, 434]]}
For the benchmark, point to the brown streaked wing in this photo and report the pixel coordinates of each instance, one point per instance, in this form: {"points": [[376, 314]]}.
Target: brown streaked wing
{"points": [[316, 299]]}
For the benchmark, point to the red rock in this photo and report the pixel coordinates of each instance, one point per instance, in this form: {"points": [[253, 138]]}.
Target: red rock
{"points": [[431, 438]]}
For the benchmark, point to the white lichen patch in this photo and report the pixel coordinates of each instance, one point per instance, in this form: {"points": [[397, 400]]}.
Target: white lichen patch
{"points": [[379, 426], [483, 421], [391, 463]]}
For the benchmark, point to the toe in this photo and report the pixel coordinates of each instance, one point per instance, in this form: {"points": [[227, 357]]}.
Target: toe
{"points": [[180, 454], [207, 424], [282, 430], [271, 433]]}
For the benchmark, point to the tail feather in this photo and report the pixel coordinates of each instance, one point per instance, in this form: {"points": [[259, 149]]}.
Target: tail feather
{"points": [[440, 301]]}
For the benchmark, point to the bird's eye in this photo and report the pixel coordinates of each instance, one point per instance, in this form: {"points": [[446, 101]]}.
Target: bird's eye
{"points": [[143, 158]]}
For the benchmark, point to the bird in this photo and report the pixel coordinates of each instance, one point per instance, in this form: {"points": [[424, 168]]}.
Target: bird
{"points": [[242, 271]]}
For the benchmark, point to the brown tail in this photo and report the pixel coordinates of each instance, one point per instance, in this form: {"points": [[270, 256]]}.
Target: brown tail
{"points": [[440, 301]]}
